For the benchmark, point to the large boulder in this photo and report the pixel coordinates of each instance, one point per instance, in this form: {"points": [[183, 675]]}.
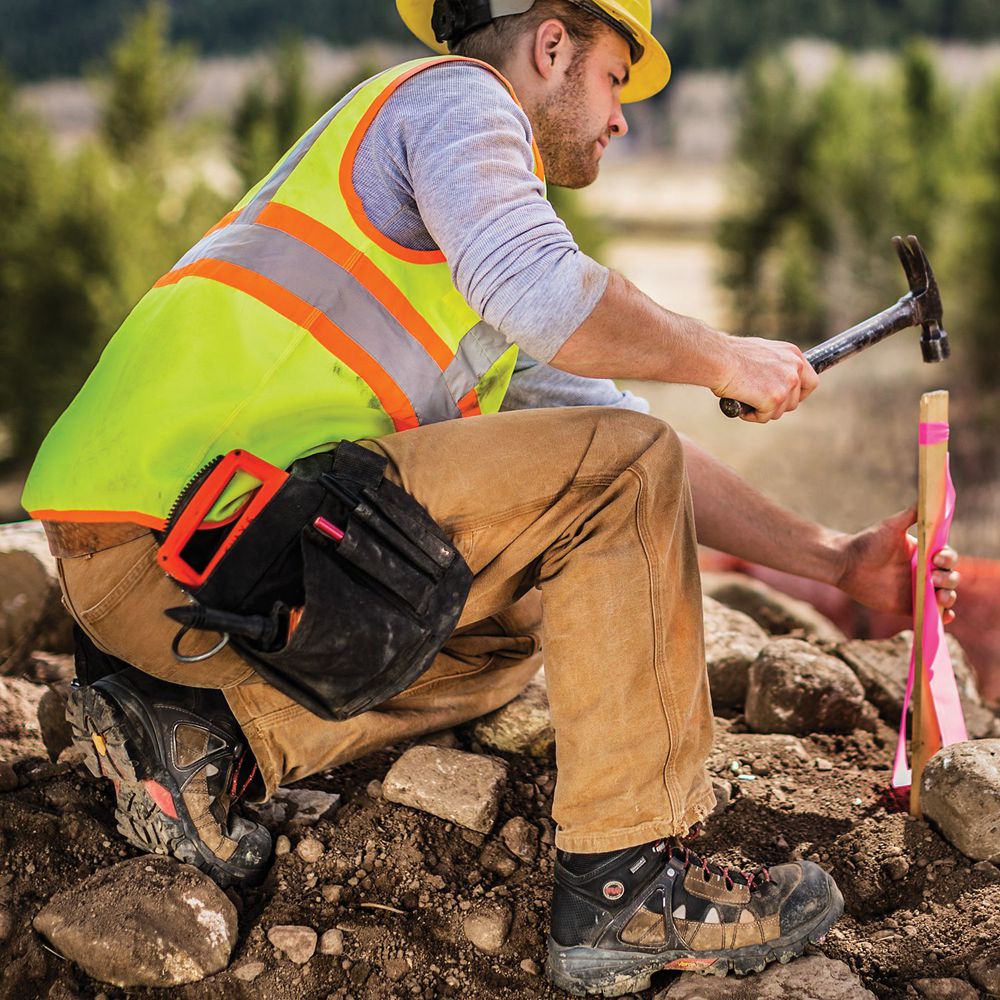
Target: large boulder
{"points": [[522, 726], [960, 793], [812, 978], [464, 788], [797, 689], [732, 642], [882, 666], [774, 611], [145, 922], [31, 612]]}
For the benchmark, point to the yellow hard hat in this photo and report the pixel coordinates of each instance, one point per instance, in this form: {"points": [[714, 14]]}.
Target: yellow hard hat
{"points": [[650, 69]]}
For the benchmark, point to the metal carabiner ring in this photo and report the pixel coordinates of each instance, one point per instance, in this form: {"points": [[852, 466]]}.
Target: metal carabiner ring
{"points": [[200, 657]]}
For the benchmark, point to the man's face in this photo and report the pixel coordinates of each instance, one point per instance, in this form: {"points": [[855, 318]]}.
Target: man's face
{"points": [[574, 124]]}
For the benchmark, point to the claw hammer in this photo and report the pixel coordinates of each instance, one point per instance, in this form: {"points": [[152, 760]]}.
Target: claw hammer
{"points": [[920, 306]]}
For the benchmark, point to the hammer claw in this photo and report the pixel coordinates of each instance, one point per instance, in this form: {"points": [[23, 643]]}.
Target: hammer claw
{"points": [[915, 263]]}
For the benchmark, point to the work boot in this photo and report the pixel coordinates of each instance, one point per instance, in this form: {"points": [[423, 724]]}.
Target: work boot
{"points": [[617, 918], [179, 761]]}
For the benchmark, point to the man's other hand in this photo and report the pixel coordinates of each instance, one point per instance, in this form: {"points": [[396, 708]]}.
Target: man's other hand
{"points": [[877, 570], [770, 375]]}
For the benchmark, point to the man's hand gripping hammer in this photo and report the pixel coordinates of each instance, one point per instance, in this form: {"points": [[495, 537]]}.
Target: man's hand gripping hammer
{"points": [[921, 306]]}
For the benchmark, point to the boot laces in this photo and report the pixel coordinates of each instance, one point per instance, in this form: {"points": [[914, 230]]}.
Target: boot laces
{"points": [[752, 879], [237, 789]]}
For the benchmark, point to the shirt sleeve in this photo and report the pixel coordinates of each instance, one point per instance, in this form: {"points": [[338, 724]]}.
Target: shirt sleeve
{"points": [[535, 386], [468, 164]]}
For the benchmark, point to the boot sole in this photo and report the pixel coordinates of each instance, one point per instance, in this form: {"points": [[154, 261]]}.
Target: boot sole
{"points": [[582, 971], [111, 745]]}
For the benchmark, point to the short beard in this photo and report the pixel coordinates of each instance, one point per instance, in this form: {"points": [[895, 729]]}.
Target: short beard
{"points": [[568, 158]]}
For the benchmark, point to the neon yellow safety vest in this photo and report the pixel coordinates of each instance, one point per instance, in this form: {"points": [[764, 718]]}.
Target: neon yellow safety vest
{"points": [[293, 324]]}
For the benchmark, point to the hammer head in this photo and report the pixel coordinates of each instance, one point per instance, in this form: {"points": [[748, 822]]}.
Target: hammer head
{"points": [[926, 298]]}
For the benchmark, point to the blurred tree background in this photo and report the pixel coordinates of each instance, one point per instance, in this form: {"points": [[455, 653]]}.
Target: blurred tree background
{"points": [[699, 33], [822, 173]]}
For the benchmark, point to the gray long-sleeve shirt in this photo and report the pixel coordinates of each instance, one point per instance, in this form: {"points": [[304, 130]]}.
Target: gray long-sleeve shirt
{"points": [[447, 164]]}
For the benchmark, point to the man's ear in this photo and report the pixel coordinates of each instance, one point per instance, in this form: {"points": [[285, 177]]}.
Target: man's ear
{"points": [[552, 47]]}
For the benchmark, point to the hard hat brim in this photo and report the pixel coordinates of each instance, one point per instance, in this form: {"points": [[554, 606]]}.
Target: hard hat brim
{"points": [[648, 76]]}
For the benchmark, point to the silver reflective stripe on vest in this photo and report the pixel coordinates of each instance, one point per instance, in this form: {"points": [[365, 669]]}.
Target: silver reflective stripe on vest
{"points": [[478, 351], [316, 279]]}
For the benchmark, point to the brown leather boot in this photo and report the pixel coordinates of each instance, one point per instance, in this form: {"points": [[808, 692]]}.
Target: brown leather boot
{"points": [[179, 762], [618, 918]]}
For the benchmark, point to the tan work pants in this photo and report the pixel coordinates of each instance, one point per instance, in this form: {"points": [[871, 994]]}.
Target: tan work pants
{"points": [[590, 506]]}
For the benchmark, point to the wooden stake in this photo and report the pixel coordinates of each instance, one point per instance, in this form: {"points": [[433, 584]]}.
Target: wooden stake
{"points": [[926, 733]]}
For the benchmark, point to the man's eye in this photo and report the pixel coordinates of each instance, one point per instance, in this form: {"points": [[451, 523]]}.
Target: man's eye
{"points": [[615, 80]]}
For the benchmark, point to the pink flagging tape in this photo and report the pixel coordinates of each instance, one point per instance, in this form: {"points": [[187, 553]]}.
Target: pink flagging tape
{"points": [[944, 690], [933, 433]]}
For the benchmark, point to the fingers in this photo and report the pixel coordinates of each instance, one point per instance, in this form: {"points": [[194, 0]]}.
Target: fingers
{"points": [[946, 579], [946, 598], [772, 376], [810, 380], [945, 558]]}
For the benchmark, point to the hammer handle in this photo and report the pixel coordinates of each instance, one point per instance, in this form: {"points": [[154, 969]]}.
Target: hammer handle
{"points": [[836, 349]]}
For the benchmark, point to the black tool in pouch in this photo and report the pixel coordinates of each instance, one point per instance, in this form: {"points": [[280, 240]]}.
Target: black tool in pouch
{"points": [[340, 591]]}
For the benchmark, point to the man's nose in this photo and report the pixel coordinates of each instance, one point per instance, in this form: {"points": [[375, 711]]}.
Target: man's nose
{"points": [[617, 124]]}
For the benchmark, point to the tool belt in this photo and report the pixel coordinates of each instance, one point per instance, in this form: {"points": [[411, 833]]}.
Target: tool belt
{"points": [[334, 583]]}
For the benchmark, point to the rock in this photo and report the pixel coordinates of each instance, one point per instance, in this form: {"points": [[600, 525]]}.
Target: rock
{"points": [[774, 611], [521, 838], [522, 726], [945, 989], [332, 942], [487, 927], [50, 668], [310, 850], [813, 978], [31, 612], [295, 808], [896, 868], [249, 971], [794, 688], [20, 734], [148, 921], [442, 738], [461, 787], [882, 666], [6, 924], [297, 942], [497, 859], [723, 795], [396, 969], [56, 732], [8, 776], [531, 967], [985, 973], [960, 794], [732, 642], [332, 893], [374, 789], [282, 846]]}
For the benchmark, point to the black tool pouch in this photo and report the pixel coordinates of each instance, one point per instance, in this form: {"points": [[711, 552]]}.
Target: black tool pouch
{"points": [[367, 612]]}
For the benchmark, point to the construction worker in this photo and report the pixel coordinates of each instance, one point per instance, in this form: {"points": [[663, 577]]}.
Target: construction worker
{"points": [[399, 279]]}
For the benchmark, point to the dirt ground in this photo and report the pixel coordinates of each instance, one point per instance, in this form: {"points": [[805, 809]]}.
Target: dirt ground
{"points": [[915, 907]]}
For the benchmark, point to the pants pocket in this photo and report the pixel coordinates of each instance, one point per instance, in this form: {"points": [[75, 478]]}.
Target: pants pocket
{"points": [[118, 597]]}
